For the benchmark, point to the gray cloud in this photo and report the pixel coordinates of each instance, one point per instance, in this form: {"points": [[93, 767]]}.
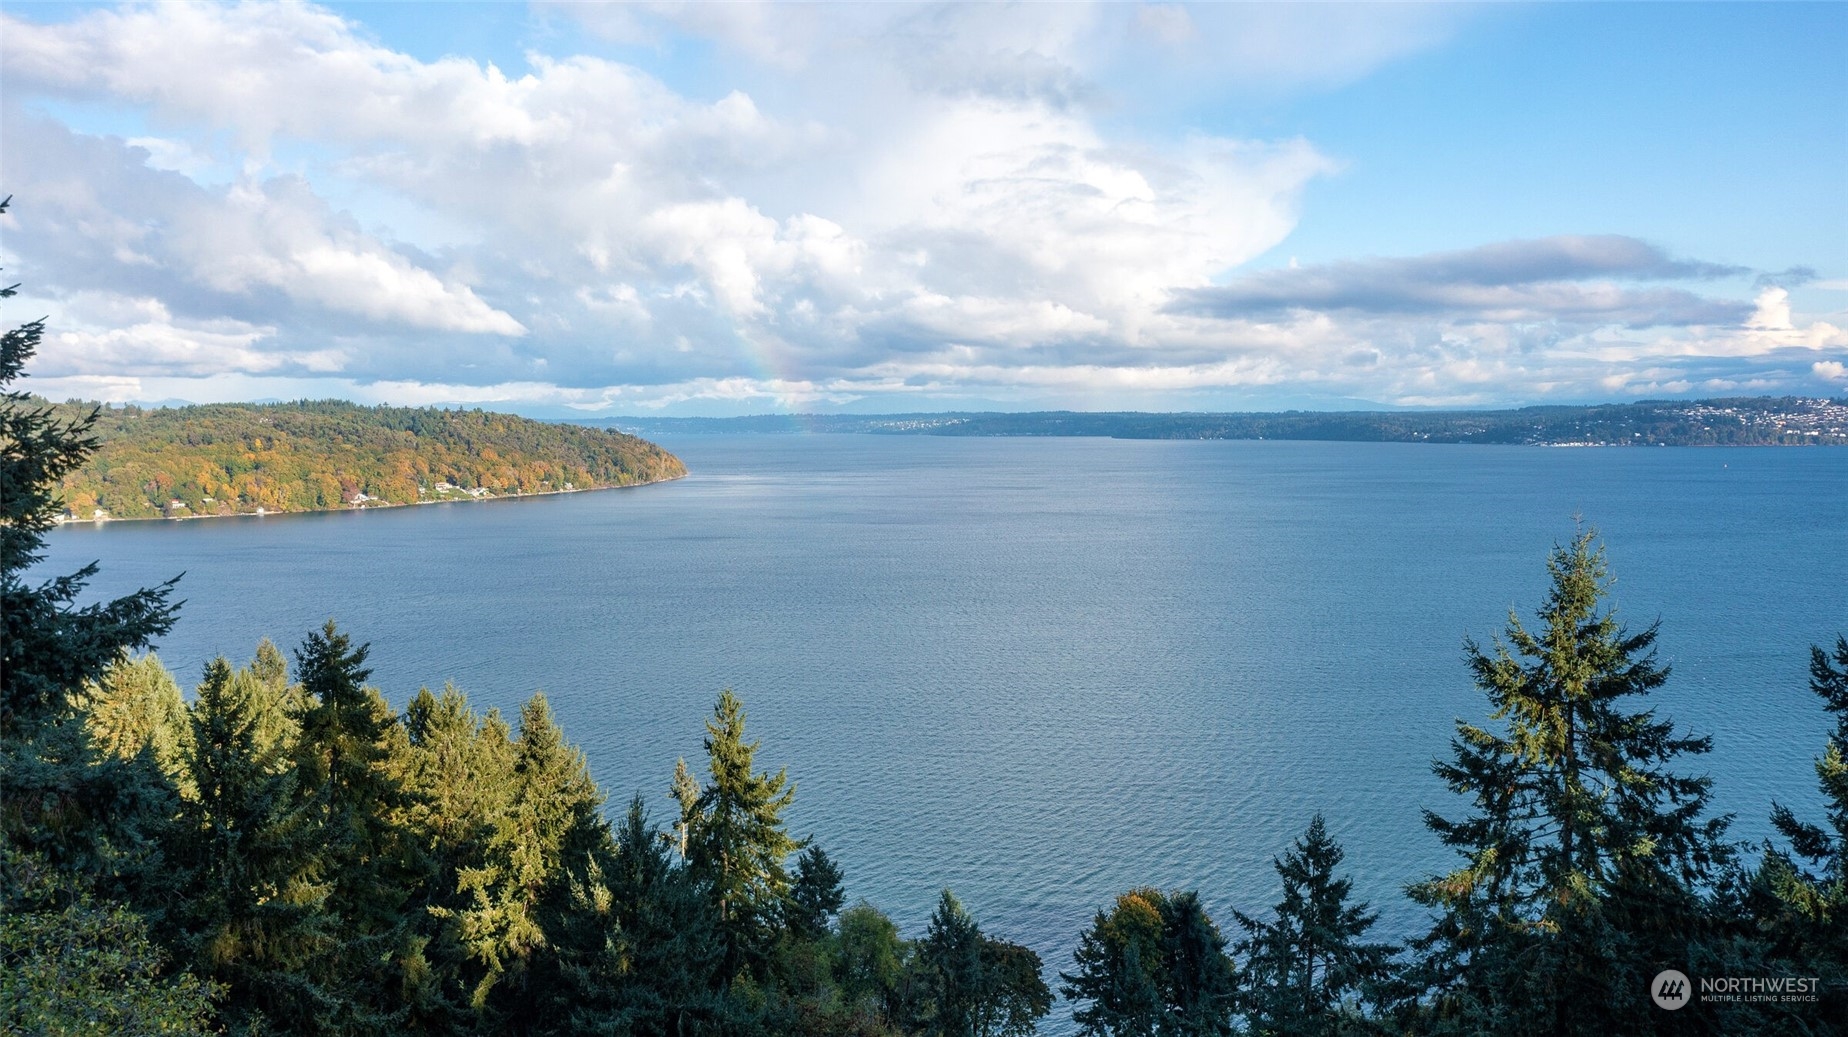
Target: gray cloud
{"points": [[1508, 281], [1793, 277]]}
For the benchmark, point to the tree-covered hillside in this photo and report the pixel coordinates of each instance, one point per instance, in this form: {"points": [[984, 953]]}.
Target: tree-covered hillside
{"points": [[226, 459]]}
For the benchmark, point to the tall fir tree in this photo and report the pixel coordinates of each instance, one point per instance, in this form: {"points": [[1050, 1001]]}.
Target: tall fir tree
{"points": [[82, 811], [459, 767], [735, 840], [1790, 913], [1200, 987], [1310, 972], [1585, 851], [352, 786], [951, 982], [255, 917], [552, 818], [282, 703]]}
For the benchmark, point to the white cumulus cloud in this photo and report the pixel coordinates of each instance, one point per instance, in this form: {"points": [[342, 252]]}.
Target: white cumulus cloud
{"points": [[921, 202]]}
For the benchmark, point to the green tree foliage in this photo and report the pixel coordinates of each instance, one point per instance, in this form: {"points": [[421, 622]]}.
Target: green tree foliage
{"points": [[223, 459], [1015, 996], [735, 840], [459, 769], [870, 966], [967, 985], [73, 966], [255, 917], [1788, 915], [282, 702], [350, 781], [1117, 985], [136, 707], [59, 796], [1200, 988], [552, 816], [1818, 890], [950, 979], [1155, 964], [638, 949], [815, 896], [1310, 971], [1584, 850]]}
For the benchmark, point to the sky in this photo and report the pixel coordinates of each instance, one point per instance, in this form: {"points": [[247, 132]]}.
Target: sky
{"points": [[575, 209]]}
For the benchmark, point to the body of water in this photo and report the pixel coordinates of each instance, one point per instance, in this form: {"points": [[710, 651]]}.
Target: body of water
{"points": [[1042, 671]]}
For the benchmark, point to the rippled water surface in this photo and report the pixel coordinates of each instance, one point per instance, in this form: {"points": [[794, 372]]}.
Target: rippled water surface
{"points": [[1040, 671]]}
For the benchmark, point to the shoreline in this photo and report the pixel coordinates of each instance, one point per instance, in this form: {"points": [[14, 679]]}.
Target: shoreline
{"points": [[382, 506]]}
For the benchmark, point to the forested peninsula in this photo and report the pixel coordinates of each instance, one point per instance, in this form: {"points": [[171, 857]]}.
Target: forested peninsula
{"points": [[242, 459]]}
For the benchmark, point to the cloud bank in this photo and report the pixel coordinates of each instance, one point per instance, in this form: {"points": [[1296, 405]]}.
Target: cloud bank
{"points": [[899, 208]]}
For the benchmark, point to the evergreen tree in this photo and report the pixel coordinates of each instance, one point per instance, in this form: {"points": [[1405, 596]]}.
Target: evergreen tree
{"points": [[685, 790], [950, 982], [460, 770], [967, 985], [1819, 891], [351, 784], [552, 817], [1790, 913], [1154, 965], [1584, 849], [815, 895], [136, 707], [1199, 986], [1310, 972], [736, 843], [282, 702], [255, 917], [1117, 985], [271, 667], [637, 949], [60, 798]]}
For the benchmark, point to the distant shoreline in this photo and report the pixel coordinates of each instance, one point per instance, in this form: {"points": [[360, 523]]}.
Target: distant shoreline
{"points": [[380, 506], [1737, 421]]}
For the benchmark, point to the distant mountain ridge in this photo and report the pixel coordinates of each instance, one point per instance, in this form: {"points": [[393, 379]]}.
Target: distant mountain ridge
{"points": [[1744, 421], [230, 459]]}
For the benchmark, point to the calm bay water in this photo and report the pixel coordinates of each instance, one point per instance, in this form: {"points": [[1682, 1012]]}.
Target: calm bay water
{"points": [[1041, 671]]}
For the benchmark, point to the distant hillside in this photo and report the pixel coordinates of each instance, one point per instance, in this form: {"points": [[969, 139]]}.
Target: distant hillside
{"points": [[1755, 421], [225, 459]]}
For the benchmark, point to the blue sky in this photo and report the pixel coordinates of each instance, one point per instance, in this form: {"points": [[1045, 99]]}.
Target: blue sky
{"points": [[581, 209]]}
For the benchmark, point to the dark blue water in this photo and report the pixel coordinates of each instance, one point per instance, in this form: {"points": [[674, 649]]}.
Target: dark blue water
{"points": [[1041, 671]]}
